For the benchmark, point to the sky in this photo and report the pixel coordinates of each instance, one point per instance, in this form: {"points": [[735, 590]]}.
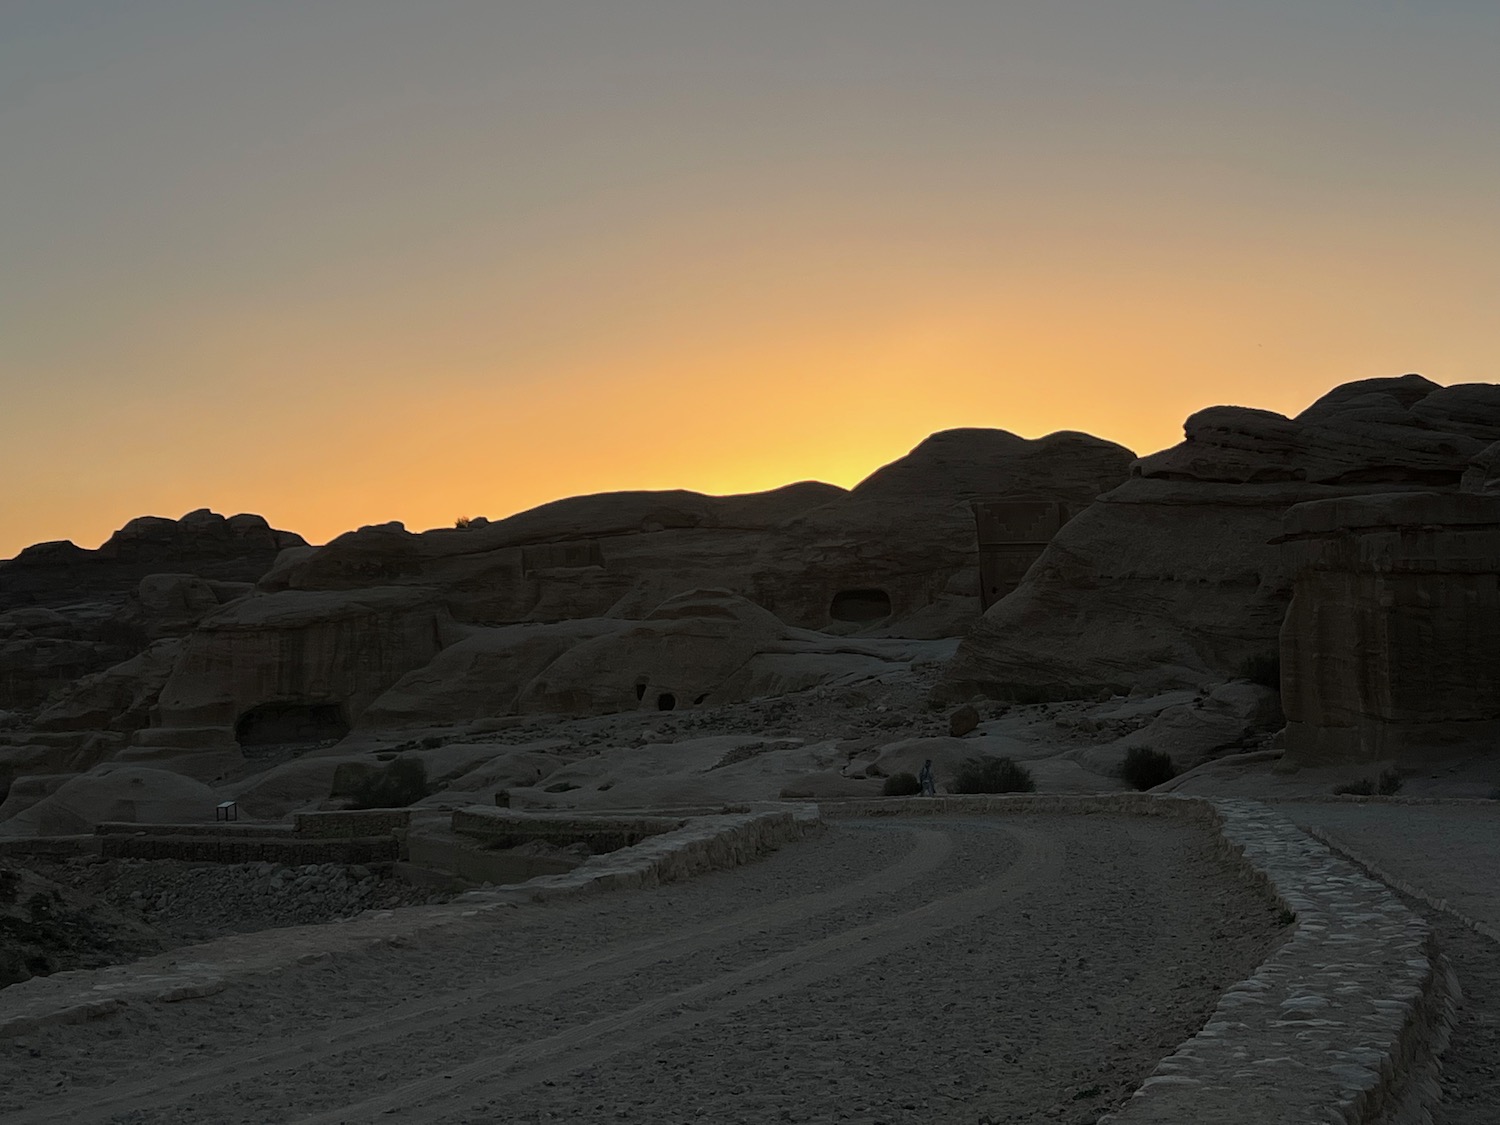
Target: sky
{"points": [[346, 261]]}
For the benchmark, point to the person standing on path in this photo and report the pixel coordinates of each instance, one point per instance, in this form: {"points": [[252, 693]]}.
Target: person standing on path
{"points": [[929, 787]]}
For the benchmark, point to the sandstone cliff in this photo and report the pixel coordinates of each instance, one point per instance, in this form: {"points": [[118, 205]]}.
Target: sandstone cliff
{"points": [[1174, 578]]}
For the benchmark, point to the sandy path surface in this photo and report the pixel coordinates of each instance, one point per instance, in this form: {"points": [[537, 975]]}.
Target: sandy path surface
{"points": [[965, 970], [1451, 852]]}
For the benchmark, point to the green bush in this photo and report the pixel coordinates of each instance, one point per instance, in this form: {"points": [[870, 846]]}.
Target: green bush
{"points": [[982, 774], [901, 785], [1361, 788], [1389, 783], [1146, 769], [1263, 669], [399, 784]]}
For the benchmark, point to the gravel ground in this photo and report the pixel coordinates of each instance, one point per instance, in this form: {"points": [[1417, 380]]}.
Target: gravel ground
{"points": [[1471, 1065], [966, 970]]}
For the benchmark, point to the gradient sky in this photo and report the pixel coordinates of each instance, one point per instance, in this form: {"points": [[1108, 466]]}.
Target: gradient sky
{"points": [[345, 261]]}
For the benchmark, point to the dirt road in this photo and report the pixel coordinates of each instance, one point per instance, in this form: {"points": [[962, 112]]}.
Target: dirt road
{"points": [[964, 970]]}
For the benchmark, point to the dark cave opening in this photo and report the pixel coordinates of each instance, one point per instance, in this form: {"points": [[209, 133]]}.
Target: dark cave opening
{"points": [[860, 605], [276, 724]]}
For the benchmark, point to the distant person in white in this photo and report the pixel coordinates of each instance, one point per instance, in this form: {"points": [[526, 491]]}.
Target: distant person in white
{"points": [[929, 788]]}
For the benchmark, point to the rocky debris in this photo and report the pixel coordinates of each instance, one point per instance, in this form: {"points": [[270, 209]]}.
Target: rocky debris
{"points": [[47, 926], [1173, 578], [105, 911]]}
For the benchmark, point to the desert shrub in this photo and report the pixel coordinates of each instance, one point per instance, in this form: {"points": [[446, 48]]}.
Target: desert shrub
{"points": [[1263, 669], [1146, 769], [1387, 785], [901, 785], [10, 885], [982, 774], [397, 785], [463, 522]]}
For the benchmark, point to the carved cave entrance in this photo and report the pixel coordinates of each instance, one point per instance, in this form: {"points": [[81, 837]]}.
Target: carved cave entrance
{"points": [[860, 605], [283, 724]]}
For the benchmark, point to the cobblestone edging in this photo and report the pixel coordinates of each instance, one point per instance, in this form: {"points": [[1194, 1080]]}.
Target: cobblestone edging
{"points": [[704, 844], [1342, 1024], [1377, 799], [1404, 886]]}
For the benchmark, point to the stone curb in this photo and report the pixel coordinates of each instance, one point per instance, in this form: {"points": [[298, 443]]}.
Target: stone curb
{"points": [[1377, 799], [704, 844], [1375, 871], [1342, 1024]]}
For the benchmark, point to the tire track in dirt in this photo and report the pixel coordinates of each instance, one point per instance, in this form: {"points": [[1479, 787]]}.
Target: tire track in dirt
{"points": [[456, 1088], [931, 849]]}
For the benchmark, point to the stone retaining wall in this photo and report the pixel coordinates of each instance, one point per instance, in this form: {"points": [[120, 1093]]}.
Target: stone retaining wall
{"points": [[48, 846], [349, 824], [504, 828], [221, 830], [287, 850], [702, 844]]}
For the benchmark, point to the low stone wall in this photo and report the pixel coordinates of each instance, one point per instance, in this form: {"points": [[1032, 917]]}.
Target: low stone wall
{"points": [[505, 828], [706, 843], [363, 837], [288, 850], [220, 830], [353, 823], [48, 846]]}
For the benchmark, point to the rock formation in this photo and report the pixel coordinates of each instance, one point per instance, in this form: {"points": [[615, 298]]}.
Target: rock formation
{"points": [[1173, 578], [896, 554], [1388, 651], [66, 612]]}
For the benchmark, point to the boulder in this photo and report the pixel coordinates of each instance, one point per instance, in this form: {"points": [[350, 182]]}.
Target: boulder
{"points": [[962, 721]]}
